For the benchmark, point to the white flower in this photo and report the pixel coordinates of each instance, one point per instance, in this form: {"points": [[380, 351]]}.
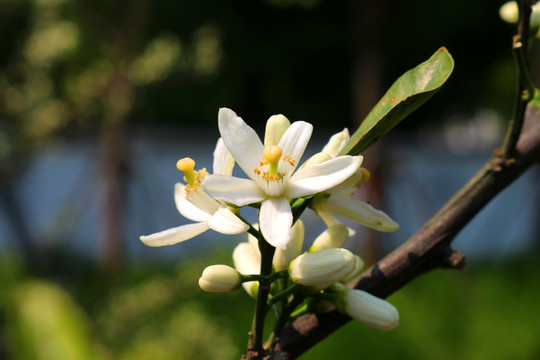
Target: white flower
{"points": [[220, 278], [368, 309], [270, 168], [340, 201], [195, 204], [322, 268]]}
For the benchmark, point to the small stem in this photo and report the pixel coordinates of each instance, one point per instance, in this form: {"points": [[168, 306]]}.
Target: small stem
{"points": [[284, 294], [299, 206], [525, 88], [256, 336], [282, 320]]}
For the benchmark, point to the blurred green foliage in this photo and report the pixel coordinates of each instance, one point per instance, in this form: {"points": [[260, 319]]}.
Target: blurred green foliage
{"points": [[158, 312]]}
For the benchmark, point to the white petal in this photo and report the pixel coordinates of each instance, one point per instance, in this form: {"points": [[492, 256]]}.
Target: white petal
{"points": [[320, 177], [336, 143], [294, 142], [186, 207], [275, 219], [234, 190], [223, 160], [225, 222], [360, 212], [241, 140], [175, 235]]}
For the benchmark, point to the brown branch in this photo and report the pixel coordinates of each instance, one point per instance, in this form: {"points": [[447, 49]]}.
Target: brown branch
{"points": [[430, 247]]}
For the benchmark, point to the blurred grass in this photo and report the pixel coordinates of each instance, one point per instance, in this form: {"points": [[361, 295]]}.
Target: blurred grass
{"points": [[152, 311]]}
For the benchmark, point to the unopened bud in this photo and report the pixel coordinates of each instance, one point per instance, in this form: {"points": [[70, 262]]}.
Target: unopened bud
{"points": [[333, 237], [219, 279], [283, 257], [356, 272], [322, 268], [275, 128], [247, 260], [336, 143], [368, 309]]}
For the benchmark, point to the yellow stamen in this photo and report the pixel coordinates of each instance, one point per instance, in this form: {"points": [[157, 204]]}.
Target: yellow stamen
{"points": [[186, 165]]}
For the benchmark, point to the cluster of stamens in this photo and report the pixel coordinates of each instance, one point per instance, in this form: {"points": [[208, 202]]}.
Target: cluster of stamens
{"points": [[191, 177], [271, 156]]}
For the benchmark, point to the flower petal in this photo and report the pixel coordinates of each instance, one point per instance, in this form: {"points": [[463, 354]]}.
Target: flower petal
{"points": [[360, 212], [186, 207], [241, 140], [320, 177], [275, 219], [234, 190], [223, 160], [294, 142], [225, 222], [175, 235]]}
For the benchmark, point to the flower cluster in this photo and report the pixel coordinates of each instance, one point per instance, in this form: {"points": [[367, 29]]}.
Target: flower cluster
{"points": [[281, 190]]}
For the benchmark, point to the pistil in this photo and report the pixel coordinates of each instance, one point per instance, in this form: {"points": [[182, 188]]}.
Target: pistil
{"points": [[272, 154], [186, 165]]}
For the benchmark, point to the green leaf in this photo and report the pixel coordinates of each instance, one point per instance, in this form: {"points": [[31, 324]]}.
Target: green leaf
{"points": [[410, 91]]}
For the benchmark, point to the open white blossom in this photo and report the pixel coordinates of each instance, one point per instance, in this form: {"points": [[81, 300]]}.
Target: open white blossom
{"points": [[340, 200], [195, 204], [270, 168]]}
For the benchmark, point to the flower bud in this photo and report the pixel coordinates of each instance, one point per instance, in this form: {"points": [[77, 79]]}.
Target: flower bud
{"points": [[275, 128], [220, 278], [247, 260], [316, 159], [368, 309], [322, 268], [283, 257], [336, 143], [356, 272], [333, 237]]}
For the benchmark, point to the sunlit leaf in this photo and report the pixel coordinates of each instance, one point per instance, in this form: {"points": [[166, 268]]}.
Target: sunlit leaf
{"points": [[410, 91]]}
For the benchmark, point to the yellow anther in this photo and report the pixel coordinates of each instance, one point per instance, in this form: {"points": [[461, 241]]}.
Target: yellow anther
{"points": [[366, 175], [272, 153], [186, 165]]}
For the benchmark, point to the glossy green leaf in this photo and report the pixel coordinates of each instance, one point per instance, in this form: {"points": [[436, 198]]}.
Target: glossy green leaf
{"points": [[410, 91]]}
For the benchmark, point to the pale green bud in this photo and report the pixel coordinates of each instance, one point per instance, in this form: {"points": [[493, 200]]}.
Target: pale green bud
{"points": [[322, 268], [283, 257], [219, 279], [247, 260], [333, 237], [316, 159], [509, 12], [356, 272], [336, 143], [368, 309], [275, 128]]}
